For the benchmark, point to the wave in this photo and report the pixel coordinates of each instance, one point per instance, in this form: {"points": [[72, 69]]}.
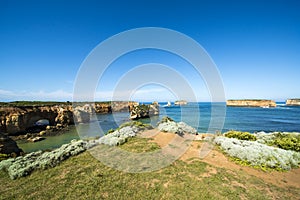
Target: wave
{"points": [[282, 107], [281, 104]]}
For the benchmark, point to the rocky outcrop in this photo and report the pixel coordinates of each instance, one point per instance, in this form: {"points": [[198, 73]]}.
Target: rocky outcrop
{"points": [[144, 111], [115, 106], [20, 119], [8, 146], [293, 102], [16, 120], [181, 102], [251, 103]]}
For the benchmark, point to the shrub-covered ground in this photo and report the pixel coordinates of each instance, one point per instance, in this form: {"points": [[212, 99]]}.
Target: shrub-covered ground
{"points": [[83, 177], [279, 151]]}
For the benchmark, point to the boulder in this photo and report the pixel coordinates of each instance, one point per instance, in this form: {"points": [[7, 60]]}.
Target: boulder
{"points": [[8, 145], [35, 139], [81, 116]]}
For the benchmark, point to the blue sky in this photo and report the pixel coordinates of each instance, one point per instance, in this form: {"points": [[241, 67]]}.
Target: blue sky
{"points": [[254, 44]]}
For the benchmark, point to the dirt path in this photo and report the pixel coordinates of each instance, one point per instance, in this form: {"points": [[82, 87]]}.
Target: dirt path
{"points": [[218, 159]]}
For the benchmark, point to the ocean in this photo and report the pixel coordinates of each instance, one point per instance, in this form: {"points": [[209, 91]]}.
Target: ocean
{"points": [[199, 115]]}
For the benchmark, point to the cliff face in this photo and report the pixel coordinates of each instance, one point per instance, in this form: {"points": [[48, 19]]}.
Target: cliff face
{"points": [[251, 103], [18, 119], [293, 102], [144, 111]]}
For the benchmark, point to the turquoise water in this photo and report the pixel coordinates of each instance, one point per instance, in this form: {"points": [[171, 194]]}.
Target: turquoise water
{"points": [[281, 118]]}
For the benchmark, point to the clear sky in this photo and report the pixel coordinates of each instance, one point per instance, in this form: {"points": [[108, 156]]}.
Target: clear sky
{"points": [[254, 44]]}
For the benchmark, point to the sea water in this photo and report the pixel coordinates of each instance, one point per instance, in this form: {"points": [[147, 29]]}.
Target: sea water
{"points": [[251, 119]]}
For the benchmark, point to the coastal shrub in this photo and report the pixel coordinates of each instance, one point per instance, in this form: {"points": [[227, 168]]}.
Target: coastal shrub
{"points": [[165, 119], [259, 155], [119, 136], [287, 141], [24, 165], [110, 131], [138, 124], [178, 128], [4, 156], [240, 135]]}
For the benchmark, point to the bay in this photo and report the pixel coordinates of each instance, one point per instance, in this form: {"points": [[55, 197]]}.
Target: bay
{"points": [[252, 119]]}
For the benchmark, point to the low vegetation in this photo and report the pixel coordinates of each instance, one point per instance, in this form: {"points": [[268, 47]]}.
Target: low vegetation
{"points": [[287, 141], [138, 124], [81, 176], [24, 165], [84, 177], [259, 155], [121, 134], [169, 125], [240, 135]]}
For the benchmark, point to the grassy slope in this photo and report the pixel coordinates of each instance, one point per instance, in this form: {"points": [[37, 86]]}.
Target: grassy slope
{"points": [[83, 177]]}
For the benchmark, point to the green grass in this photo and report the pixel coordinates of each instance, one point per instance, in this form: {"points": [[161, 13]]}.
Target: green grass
{"points": [[139, 145], [83, 177]]}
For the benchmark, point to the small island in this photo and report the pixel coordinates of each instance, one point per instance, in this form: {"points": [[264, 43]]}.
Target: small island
{"points": [[180, 102], [293, 102], [251, 103]]}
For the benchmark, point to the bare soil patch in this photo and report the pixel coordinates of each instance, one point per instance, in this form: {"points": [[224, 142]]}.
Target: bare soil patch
{"points": [[217, 159]]}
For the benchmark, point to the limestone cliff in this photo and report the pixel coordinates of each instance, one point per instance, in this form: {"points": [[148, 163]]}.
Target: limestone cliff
{"points": [[144, 111], [293, 102], [18, 119], [251, 103]]}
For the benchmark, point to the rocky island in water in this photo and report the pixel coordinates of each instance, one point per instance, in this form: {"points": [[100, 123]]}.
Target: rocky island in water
{"points": [[251, 103], [180, 102], [293, 102]]}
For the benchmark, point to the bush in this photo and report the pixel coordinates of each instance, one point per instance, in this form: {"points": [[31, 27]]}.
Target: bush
{"points": [[240, 135], [165, 119], [119, 136], [259, 155], [137, 124], [287, 141], [178, 128], [23, 166], [4, 156]]}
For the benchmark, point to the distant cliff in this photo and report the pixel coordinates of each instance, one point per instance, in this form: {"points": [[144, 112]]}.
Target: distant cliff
{"points": [[19, 119], [251, 103], [293, 102], [181, 102]]}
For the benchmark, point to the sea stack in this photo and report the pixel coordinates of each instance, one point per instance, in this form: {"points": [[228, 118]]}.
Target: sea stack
{"points": [[293, 102], [251, 103], [181, 102]]}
